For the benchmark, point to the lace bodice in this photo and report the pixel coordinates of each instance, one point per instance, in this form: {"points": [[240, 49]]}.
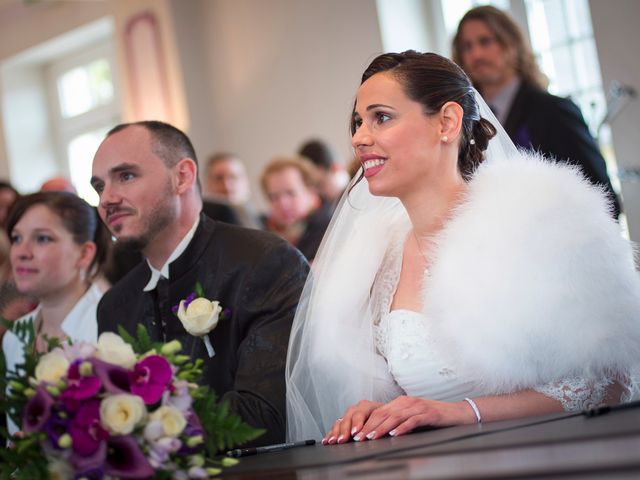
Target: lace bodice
{"points": [[406, 340]]}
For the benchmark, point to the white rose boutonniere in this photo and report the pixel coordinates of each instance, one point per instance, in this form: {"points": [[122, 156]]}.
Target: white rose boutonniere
{"points": [[200, 316]]}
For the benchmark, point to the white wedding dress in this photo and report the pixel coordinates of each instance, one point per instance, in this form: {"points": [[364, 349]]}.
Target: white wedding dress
{"points": [[405, 339]]}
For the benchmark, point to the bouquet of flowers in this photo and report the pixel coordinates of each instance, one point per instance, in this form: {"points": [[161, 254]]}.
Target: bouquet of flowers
{"points": [[121, 408]]}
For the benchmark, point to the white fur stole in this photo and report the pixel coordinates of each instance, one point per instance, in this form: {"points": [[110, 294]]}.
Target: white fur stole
{"points": [[532, 281]]}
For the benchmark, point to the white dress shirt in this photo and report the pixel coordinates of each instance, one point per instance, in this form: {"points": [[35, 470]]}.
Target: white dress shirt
{"points": [[164, 271]]}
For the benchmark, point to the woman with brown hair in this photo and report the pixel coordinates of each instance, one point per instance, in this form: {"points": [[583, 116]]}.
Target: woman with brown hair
{"points": [[58, 246], [460, 280]]}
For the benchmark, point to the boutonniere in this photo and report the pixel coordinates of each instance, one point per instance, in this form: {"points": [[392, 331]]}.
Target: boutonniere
{"points": [[200, 316]]}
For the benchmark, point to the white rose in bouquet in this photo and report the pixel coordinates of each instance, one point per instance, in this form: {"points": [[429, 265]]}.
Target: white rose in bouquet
{"points": [[52, 366], [171, 419], [121, 413], [113, 349]]}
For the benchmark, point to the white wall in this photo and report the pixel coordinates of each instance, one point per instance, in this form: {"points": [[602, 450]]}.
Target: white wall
{"points": [[256, 77], [263, 76], [615, 28], [24, 114]]}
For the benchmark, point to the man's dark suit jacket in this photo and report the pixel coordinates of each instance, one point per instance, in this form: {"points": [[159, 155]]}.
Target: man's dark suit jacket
{"points": [[256, 275], [555, 127], [317, 224]]}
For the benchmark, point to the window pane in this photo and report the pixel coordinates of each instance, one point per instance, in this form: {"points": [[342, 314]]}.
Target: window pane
{"points": [[546, 63], [80, 151], [578, 18], [453, 11], [554, 13], [101, 83], [84, 88], [538, 28], [587, 66], [74, 92], [563, 81]]}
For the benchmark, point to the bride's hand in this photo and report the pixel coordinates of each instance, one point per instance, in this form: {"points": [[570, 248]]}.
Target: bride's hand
{"points": [[352, 422], [404, 414]]}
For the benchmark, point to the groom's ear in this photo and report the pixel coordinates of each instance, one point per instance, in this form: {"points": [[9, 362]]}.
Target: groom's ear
{"points": [[451, 115], [185, 172]]}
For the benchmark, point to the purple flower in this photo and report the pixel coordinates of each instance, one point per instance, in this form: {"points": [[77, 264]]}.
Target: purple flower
{"points": [[161, 450], [85, 430], [178, 397], [37, 410], [187, 301], [125, 459], [90, 463], [90, 474], [79, 388], [150, 378], [115, 379], [193, 429], [54, 428]]}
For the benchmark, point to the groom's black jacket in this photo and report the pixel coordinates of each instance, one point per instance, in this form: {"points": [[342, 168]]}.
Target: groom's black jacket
{"points": [[255, 274]]}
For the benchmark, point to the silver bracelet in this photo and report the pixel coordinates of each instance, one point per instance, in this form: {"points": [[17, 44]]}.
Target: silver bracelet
{"points": [[475, 408]]}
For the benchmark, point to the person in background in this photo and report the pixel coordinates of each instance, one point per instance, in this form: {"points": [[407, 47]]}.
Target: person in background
{"points": [[12, 303], [297, 213], [8, 195], [492, 50], [226, 181], [333, 177], [58, 246], [58, 184]]}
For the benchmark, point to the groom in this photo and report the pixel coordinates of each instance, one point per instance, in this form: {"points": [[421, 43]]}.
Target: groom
{"points": [[146, 176]]}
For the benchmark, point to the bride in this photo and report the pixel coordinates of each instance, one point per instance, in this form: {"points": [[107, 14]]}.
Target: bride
{"points": [[449, 290]]}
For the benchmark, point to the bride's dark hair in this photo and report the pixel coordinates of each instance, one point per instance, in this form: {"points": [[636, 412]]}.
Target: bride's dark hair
{"points": [[433, 80]]}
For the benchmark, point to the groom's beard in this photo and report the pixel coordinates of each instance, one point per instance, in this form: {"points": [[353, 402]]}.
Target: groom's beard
{"points": [[161, 216]]}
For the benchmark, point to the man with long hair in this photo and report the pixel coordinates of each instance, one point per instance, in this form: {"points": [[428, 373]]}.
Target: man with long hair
{"points": [[492, 50]]}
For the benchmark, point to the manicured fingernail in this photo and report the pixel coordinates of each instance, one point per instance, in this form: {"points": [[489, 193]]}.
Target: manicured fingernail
{"points": [[393, 433], [353, 431], [358, 437], [324, 441], [332, 439], [371, 435], [340, 438]]}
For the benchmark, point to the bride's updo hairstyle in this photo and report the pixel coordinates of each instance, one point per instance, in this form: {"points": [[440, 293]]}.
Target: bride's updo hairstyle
{"points": [[432, 81]]}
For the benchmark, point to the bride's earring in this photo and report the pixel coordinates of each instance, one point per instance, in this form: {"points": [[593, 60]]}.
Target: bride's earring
{"points": [[444, 139]]}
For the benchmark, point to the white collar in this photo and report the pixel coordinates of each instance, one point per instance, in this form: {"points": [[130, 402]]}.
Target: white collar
{"points": [[164, 271]]}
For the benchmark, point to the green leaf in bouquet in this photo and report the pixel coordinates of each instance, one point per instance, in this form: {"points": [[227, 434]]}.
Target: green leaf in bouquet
{"points": [[199, 290], [128, 338], [144, 340], [223, 429]]}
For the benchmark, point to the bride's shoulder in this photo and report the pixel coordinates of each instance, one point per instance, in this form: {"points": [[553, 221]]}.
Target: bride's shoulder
{"points": [[530, 183]]}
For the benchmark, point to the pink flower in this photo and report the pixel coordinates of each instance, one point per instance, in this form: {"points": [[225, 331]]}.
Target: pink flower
{"points": [[150, 378], [85, 430], [79, 387], [78, 351]]}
